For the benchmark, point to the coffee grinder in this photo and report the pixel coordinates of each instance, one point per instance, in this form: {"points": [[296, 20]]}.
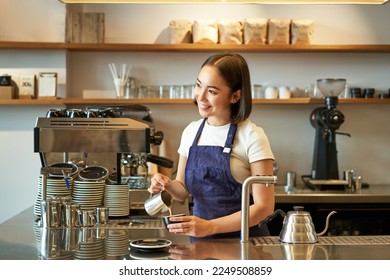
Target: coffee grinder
{"points": [[326, 120]]}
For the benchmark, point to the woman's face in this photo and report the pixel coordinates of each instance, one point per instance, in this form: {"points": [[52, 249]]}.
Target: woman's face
{"points": [[214, 97]]}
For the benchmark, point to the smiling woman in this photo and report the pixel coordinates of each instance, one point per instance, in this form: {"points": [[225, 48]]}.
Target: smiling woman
{"points": [[218, 152]]}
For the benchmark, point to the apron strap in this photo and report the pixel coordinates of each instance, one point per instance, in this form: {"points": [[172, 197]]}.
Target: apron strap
{"points": [[198, 133], [229, 139]]}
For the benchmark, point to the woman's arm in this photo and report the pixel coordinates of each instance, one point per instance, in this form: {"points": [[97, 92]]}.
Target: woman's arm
{"points": [[264, 201], [175, 187], [263, 197]]}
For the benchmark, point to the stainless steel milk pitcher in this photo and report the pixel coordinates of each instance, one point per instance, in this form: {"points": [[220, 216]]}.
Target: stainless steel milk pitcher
{"points": [[73, 215], [102, 215], [51, 243], [51, 213], [88, 218]]}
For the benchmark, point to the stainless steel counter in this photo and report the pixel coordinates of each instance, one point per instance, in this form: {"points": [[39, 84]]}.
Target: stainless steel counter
{"points": [[372, 194], [21, 238]]}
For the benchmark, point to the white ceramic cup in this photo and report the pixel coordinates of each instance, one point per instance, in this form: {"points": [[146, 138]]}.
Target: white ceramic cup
{"points": [[284, 93], [271, 93]]}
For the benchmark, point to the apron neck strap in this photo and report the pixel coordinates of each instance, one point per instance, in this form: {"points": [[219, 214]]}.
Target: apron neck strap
{"points": [[229, 139]]}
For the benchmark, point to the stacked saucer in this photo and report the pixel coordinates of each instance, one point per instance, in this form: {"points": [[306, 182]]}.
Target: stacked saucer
{"points": [[116, 198], [89, 194], [117, 243], [91, 250], [55, 186]]}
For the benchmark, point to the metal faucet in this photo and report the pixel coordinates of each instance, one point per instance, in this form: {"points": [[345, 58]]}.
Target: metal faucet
{"points": [[267, 180]]}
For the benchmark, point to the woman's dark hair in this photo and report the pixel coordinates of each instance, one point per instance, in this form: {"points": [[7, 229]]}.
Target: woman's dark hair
{"points": [[234, 70]]}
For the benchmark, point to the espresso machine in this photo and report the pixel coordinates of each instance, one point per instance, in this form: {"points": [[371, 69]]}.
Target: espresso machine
{"points": [[120, 131], [327, 120], [113, 135]]}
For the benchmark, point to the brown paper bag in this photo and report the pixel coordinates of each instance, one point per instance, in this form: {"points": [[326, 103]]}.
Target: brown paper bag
{"points": [[301, 32], [180, 31], [205, 31], [279, 32], [255, 31], [230, 32]]}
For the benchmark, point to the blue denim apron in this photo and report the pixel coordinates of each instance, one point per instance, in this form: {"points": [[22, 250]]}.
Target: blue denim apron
{"points": [[209, 180]]}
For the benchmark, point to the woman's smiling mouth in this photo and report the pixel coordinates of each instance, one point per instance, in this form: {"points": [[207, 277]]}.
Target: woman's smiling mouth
{"points": [[203, 107]]}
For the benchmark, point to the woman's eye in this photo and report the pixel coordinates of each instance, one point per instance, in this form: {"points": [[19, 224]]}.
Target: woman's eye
{"points": [[212, 92]]}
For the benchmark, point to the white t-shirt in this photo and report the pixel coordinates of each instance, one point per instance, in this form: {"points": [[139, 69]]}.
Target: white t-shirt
{"points": [[250, 144]]}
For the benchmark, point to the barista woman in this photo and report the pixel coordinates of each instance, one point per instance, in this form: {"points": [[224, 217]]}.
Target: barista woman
{"points": [[218, 152]]}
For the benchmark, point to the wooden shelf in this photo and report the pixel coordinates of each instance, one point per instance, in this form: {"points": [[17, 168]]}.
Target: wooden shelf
{"points": [[187, 48], [193, 47], [32, 45], [183, 101], [36, 102], [158, 101], [114, 101]]}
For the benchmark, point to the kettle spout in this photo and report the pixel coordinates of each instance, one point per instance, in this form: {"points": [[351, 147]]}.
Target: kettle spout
{"points": [[326, 223]]}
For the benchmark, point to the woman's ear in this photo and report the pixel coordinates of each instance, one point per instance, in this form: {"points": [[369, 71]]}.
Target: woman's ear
{"points": [[236, 96]]}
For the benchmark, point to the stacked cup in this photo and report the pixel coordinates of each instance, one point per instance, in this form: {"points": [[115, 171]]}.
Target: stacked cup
{"points": [[120, 79]]}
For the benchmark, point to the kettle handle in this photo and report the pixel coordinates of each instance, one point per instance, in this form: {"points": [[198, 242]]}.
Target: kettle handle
{"points": [[272, 216]]}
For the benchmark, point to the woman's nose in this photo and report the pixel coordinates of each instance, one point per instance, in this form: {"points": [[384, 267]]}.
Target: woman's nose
{"points": [[200, 93]]}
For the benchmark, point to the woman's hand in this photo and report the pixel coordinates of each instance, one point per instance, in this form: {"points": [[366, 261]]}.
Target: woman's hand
{"points": [[161, 182], [158, 183], [190, 225]]}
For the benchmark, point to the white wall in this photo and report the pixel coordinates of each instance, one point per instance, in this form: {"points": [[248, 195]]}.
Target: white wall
{"points": [[32, 20], [288, 127]]}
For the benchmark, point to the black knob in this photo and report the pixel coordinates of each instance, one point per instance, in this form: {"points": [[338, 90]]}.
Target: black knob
{"points": [[298, 208], [334, 119], [157, 138]]}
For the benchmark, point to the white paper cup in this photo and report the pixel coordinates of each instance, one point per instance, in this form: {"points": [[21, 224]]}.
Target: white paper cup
{"points": [[120, 88]]}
